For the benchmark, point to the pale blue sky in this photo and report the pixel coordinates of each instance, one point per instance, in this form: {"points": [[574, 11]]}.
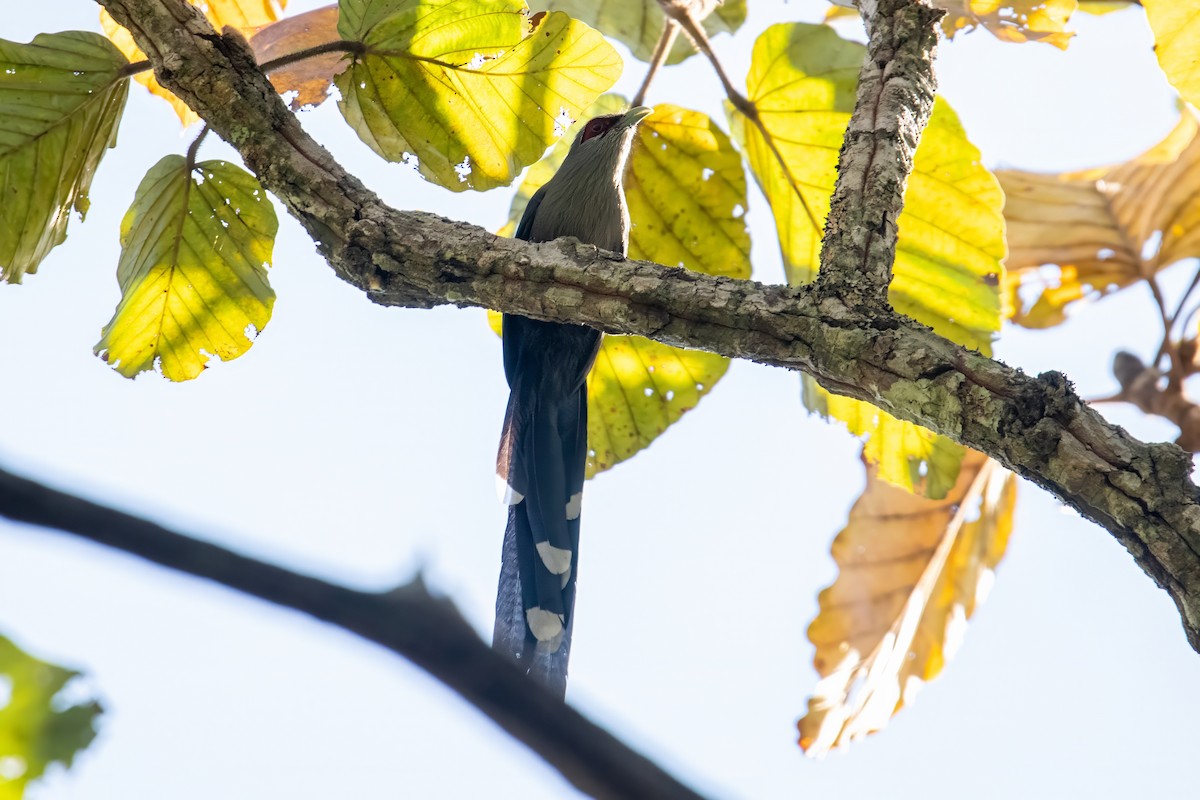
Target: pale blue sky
{"points": [[357, 443]]}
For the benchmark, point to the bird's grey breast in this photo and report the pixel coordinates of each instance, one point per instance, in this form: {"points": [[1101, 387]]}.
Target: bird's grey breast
{"points": [[593, 212]]}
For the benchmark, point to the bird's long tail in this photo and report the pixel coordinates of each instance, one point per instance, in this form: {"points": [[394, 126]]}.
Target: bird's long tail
{"points": [[543, 452]]}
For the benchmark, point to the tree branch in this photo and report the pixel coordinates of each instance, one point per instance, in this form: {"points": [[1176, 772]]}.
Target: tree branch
{"points": [[408, 620], [1038, 428], [896, 87]]}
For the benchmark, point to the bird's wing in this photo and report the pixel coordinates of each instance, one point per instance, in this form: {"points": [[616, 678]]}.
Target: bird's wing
{"points": [[525, 226]]}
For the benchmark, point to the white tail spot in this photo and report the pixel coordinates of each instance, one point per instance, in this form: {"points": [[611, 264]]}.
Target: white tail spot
{"points": [[545, 625], [508, 495], [556, 559]]}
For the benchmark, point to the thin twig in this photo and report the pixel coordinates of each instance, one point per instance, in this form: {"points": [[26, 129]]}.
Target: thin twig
{"points": [[1162, 348], [695, 32], [1176, 370], [407, 620], [661, 51], [699, 38]]}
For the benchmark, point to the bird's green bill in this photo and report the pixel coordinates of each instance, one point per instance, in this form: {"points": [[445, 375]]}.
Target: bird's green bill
{"points": [[635, 115]]}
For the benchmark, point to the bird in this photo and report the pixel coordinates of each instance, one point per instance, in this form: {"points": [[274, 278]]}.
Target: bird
{"points": [[543, 446]]}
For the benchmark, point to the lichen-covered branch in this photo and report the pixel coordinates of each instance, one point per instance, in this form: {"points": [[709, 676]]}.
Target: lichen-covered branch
{"points": [[896, 87], [408, 620], [1037, 427]]}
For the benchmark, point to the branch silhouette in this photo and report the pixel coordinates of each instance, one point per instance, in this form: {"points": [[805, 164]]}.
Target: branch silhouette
{"points": [[408, 620]]}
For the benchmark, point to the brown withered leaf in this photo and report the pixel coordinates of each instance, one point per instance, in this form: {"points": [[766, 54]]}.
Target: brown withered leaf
{"points": [[245, 15], [911, 571], [1082, 235], [311, 78], [1011, 21]]}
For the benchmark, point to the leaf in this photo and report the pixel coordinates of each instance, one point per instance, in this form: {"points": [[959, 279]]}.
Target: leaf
{"points": [[473, 93], [309, 78], [639, 24], [245, 15], [840, 12], [1176, 29], [61, 98], [1101, 7], [1083, 235], [951, 233], [1011, 20], [195, 247], [37, 729], [689, 215], [910, 573], [906, 455]]}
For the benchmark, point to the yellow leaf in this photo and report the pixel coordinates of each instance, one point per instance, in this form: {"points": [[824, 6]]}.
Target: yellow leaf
{"points": [[1082, 235], [914, 458], [245, 15], [1176, 27], [637, 389], [639, 23], [195, 247], [686, 189], [951, 233], [473, 96], [1101, 7], [61, 98], [1011, 20], [309, 78], [840, 12], [910, 573], [688, 214]]}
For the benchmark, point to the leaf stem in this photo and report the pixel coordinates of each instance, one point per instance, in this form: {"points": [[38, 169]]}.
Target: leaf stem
{"points": [[661, 51], [339, 46], [133, 68], [194, 148]]}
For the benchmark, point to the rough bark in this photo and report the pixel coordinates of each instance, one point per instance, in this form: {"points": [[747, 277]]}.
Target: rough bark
{"points": [[894, 99], [1038, 427]]}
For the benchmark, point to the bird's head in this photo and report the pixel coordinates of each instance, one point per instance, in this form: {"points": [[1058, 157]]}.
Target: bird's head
{"points": [[605, 140]]}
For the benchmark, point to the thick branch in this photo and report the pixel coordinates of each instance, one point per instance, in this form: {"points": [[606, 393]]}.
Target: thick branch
{"points": [[896, 86], [1037, 427], [407, 620]]}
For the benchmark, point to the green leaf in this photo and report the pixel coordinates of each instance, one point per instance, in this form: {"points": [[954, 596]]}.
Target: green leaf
{"points": [[687, 215], [948, 257], [473, 91], [61, 97], [639, 23], [195, 247], [36, 730]]}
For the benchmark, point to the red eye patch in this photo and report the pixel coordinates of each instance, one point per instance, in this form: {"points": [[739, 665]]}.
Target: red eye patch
{"points": [[597, 127]]}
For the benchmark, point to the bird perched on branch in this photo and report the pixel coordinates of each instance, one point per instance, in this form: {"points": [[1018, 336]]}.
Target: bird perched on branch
{"points": [[543, 449]]}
